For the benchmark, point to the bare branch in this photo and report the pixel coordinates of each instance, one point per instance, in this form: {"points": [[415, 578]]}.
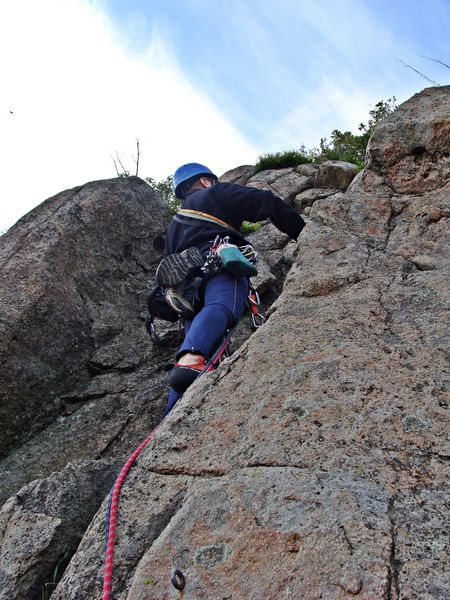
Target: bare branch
{"points": [[419, 73], [136, 160], [124, 171], [435, 60], [115, 166]]}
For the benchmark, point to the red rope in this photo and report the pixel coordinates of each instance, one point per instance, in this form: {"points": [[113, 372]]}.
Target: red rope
{"points": [[112, 517]]}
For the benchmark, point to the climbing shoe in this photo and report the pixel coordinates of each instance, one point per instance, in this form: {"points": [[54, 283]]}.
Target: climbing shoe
{"points": [[182, 376], [174, 269], [180, 304]]}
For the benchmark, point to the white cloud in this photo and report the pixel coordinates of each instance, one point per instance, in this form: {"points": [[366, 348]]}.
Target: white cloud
{"points": [[78, 95], [330, 106]]}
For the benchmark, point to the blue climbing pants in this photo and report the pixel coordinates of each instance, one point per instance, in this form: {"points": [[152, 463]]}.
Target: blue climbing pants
{"points": [[225, 298]]}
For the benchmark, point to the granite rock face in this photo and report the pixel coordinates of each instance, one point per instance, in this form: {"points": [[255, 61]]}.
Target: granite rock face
{"points": [[239, 175], [41, 526], [71, 275], [83, 428], [286, 183], [314, 462]]}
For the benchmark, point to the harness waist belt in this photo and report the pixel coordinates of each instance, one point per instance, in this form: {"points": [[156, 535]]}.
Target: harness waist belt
{"points": [[202, 216]]}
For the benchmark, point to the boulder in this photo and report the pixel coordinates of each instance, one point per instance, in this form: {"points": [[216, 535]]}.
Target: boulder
{"points": [[410, 148], [239, 175], [72, 272], [286, 183], [308, 169], [308, 197], [268, 238], [56, 512], [335, 175]]}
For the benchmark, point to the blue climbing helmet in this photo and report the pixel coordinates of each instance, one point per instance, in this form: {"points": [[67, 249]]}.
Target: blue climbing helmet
{"points": [[187, 174]]}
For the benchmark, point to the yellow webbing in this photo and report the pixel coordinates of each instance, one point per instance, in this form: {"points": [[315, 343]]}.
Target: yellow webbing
{"points": [[188, 212]]}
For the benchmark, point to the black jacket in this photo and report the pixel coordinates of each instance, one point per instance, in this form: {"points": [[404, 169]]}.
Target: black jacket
{"points": [[233, 204]]}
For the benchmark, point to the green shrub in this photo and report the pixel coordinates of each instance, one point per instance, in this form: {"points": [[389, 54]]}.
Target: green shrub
{"points": [[282, 160], [352, 148], [344, 146], [248, 227]]}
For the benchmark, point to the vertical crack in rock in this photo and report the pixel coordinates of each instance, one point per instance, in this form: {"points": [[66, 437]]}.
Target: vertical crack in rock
{"points": [[113, 438], [390, 224], [385, 312]]}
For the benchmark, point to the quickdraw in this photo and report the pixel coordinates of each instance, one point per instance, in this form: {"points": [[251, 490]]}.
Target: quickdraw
{"points": [[253, 303]]}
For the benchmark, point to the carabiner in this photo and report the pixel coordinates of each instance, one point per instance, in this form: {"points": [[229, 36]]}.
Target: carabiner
{"points": [[257, 320], [253, 297]]}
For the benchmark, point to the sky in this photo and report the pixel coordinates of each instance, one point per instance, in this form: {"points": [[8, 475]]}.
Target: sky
{"points": [[218, 82]]}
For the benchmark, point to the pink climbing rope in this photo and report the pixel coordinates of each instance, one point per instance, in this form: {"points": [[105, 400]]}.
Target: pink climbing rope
{"points": [[112, 517]]}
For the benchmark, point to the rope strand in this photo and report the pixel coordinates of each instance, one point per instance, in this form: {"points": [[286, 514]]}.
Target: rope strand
{"points": [[111, 517], [113, 505]]}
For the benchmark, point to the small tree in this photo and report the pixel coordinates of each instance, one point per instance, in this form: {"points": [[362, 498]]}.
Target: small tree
{"points": [[352, 148], [165, 190], [123, 172]]}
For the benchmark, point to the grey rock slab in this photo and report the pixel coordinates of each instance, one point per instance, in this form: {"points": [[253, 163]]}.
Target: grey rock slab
{"points": [[239, 175], [335, 175], [273, 533], [41, 526], [308, 197], [286, 183], [109, 418]]}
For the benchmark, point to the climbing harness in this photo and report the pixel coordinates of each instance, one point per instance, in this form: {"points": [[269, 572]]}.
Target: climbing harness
{"points": [[202, 216], [113, 504], [173, 304], [184, 300]]}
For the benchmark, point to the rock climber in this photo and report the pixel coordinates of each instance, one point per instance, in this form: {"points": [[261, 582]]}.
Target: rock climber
{"points": [[212, 211]]}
